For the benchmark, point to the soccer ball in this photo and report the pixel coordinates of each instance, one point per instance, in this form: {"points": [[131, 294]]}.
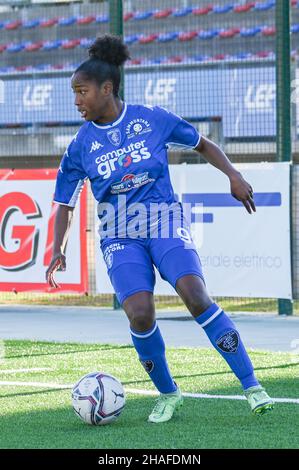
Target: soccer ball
{"points": [[98, 398]]}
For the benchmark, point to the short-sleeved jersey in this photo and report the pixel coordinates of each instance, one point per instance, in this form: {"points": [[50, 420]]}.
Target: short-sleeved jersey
{"points": [[125, 159]]}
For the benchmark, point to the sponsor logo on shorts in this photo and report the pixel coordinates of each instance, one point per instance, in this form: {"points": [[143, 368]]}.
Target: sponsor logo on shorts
{"points": [[108, 253], [229, 342]]}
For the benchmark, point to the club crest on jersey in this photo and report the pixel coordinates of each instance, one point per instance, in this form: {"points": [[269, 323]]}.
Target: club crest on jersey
{"points": [[137, 126], [228, 342], [114, 137]]}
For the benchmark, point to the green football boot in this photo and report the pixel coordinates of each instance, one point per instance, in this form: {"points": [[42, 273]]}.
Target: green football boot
{"points": [[259, 400], [165, 406]]}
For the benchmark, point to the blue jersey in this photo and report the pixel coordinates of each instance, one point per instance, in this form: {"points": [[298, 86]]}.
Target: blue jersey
{"points": [[125, 159]]}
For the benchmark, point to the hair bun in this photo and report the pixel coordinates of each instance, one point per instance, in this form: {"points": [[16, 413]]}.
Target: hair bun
{"points": [[109, 48]]}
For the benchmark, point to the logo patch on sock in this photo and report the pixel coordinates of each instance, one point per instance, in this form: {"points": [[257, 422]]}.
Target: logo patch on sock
{"points": [[229, 342], [148, 365]]}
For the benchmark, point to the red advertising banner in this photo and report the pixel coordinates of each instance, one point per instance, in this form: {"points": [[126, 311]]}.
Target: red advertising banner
{"points": [[26, 234]]}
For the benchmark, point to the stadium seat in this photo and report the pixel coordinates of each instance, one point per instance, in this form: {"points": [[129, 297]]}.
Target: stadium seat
{"points": [[295, 28], [187, 36], [249, 32], [202, 11], [102, 19], [3, 47], [147, 39], [67, 21], [131, 39], [85, 42], [70, 44], [222, 9], [159, 14], [166, 37], [86, 19], [268, 31], [244, 8], [229, 33], [208, 34], [31, 24], [50, 45], [182, 12], [264, 6], [48, 23], [32, 47], [16, 47], [128, 16], [143, 15], [11, 25]]}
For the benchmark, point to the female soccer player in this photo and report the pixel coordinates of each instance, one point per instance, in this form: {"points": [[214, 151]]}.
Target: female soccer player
{"points": [[122, 149]]}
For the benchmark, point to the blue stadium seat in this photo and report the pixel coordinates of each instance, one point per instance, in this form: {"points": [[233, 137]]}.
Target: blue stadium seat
{"points": [[85, 42], [50, 45], [249, 32], [295, 28], [102, 19], [16, 47], [222, 9], [182, 12], [67, 21], [265, 5], [31, 24], [166, 37], [212, 33], [131, 39], [142, 15]]}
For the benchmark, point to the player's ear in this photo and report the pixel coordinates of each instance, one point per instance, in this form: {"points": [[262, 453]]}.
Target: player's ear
{"points": [[107, 88]]}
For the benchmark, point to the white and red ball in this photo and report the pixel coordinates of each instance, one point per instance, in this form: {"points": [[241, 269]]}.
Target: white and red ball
{"points": [[98, 398]]}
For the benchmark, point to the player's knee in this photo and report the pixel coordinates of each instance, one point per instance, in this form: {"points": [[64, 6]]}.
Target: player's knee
{"points": [[140, 314], [142, 320]]}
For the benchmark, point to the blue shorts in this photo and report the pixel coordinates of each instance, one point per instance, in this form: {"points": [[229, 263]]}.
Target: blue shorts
{"points": [[130, 262]]}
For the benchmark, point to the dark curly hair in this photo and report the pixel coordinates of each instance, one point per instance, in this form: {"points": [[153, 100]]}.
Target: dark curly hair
{"points": [[106, 55]]}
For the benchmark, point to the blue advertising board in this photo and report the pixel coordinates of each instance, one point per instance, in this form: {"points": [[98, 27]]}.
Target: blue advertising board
{"points": [[243, 97]]}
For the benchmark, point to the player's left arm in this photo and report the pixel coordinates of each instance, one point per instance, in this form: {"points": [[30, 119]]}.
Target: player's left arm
{"points": [[240, 189]]}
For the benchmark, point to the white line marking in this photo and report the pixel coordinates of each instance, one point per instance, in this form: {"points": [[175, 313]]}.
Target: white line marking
{"points": [[36, 384], [34, 369], [137, 391]]}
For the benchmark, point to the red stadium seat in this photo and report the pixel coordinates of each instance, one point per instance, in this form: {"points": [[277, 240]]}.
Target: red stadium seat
{"points": [[86, 20], [188, 36], [269, 31], [128, 16], [163, 13], [34, 46], [13, 25], [244, 8], [3, 47], [229, 33], [49, 23], [148, 39], [202, 11]]}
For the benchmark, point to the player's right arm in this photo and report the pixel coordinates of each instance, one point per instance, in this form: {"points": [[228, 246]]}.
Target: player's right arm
{"points": [[69, 184], [63, 220]]}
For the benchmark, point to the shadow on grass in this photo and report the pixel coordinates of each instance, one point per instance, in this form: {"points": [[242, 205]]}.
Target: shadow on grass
{"points": [[103, 347]]}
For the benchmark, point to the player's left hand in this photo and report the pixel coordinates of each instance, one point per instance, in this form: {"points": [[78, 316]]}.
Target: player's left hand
{"points": [[242, 191]]}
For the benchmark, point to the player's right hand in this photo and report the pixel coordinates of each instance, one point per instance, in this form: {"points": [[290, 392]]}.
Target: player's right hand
{"points": [[58, 261]]}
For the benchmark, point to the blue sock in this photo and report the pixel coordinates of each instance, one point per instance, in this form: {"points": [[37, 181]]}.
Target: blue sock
{"points": [[226, 339], [151, 350]]}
